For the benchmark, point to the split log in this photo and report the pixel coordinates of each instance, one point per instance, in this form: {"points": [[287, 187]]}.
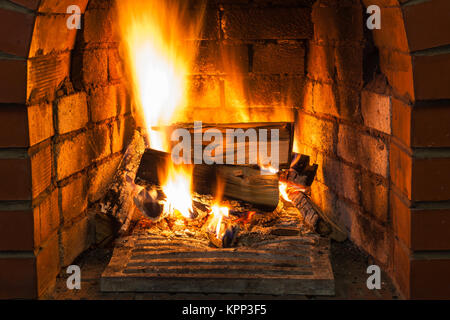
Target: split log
{"points": [[244, 183], [286, 138], [313, 217], [152, 162], [300, 172], [118, 202]]}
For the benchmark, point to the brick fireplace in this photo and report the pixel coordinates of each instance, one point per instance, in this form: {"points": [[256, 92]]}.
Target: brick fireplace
{"points": [[372, 108]]}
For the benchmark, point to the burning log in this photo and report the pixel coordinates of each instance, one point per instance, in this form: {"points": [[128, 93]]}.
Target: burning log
{"points": [[300, 172], [247, 146], [240, 182], [118, 202], [244, 183], [152, 162]]}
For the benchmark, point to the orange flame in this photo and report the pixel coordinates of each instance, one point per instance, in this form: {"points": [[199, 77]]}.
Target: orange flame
{"points": [[283, 187], [158, 65], [152, 31], [177, 187], [218, 214]]}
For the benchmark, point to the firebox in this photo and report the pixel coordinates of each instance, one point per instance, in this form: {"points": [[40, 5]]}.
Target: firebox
{"points": [[220, 145]]}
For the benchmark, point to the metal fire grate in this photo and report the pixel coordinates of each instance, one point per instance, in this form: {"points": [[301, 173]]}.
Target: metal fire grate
{"points": [[280, 266]]}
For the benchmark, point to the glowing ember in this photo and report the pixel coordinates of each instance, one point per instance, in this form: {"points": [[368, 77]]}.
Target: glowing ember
{"points": [[218, 214]]}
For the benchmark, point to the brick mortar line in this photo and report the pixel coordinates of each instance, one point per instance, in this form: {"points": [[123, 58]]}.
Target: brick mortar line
{"points": [[8, 5], [356, 166], [422, 152], [419, 205], [386, 138], [359, 209]]}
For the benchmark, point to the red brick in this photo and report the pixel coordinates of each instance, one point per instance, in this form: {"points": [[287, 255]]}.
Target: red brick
{"points": [[20, 281], [427, 84], [430, 179], [14, 128], [422, 275], [73, 199], [17, 231], [430, 278], [16, 179], [426, 24], [429, 229], [430, 126], [72, 113], [420, 229], [15, 32], [13, 81], [31, 4]]}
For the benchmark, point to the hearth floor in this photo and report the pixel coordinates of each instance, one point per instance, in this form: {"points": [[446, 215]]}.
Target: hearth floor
{"points": [[280, 266]]}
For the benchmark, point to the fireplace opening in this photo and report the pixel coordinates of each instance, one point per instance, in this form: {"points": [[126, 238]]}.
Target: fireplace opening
{"points": [[220, 146]]}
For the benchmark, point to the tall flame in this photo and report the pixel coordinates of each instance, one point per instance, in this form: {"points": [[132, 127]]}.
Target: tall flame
{"points": [[152, 32], [158, 61], [177, 189]]}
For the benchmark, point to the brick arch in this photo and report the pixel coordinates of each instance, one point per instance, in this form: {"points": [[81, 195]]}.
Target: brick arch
{"points": [[57, 154], [415, 57], [411, 142]]}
